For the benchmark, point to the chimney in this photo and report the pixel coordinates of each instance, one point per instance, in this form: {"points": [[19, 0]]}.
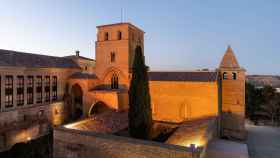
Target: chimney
{"points": [[77, 53]]}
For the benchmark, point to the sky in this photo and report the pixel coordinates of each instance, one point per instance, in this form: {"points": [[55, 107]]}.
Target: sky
{"points": [[179, 34]]}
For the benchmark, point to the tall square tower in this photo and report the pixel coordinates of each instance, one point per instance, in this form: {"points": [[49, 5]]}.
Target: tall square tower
{"points": [[114, 50], [232, 97]]}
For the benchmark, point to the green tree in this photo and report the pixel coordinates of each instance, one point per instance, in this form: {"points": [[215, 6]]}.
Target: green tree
{"points": [[268, 93], [271, 108], [140, 113], [254, 100], [250, 94]]}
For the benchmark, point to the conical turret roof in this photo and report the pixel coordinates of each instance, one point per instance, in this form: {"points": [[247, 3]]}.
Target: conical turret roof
{"points": [[229, 60]]}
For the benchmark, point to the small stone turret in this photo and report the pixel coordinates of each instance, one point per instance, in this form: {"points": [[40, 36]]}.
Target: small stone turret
{"points": [[232, 96]]}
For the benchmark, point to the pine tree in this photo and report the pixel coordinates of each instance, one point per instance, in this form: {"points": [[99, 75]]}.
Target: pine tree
{"points": [[140, 114]]}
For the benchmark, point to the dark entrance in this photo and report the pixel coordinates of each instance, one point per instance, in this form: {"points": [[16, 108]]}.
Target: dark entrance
{"points": [[77, 100], [99, 108]]}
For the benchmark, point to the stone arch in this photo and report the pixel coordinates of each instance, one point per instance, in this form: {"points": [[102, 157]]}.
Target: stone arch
{"points": [[118, 76], [98, 108], [77, 101]]}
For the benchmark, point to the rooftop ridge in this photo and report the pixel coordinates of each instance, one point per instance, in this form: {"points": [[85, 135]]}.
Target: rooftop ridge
{"points": [[86, 58], [120, 23], [23, 52], [200, 76], [19, 58]]}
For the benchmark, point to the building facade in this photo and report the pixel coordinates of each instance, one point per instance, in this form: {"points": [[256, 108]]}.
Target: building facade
{"points": [[84, 87]]}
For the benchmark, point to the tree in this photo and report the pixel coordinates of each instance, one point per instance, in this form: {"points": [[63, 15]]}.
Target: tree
{"points": [[250, 93], [140, 113], [268, 93], [254, 99], [271, 109]]}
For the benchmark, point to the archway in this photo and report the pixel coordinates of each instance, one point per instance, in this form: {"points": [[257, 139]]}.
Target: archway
{"points": [[77, 101], [98, 108]]}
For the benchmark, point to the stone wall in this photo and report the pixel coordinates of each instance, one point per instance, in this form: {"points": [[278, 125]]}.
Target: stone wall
{"points": [[198, 132], [175, 101], [70, 143], [21, 125]]}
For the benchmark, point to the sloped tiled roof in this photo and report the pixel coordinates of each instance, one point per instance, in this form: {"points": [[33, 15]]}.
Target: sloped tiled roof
{"points": [[82, 75], [199, 76], [107, 122], [229, 60], [21, 59], [81, 57]]}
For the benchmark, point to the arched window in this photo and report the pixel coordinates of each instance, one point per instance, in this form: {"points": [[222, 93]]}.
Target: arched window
{"points": [[225, 76], [114, 82], [234, 76], [106, 36], [119, 35], [113, 57]]}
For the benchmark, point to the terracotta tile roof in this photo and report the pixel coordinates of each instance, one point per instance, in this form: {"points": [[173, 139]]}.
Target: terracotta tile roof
{"points": [[229, 60], [108, 122], [82, 75], [22, 59], [199, 76]]}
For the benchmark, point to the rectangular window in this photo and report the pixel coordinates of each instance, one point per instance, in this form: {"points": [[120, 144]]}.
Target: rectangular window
{"points": [[30, 88], [20, 91], [47, 88], [234, 76], [54, 88], [225, 76], [8, 91], [39, 93]]}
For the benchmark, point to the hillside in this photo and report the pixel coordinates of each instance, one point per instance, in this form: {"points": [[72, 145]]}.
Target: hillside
{"points": [[261, 80]]}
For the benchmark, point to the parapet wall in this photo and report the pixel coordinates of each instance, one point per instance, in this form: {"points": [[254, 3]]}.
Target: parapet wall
{"points": [[24, 124], [69, 143]]}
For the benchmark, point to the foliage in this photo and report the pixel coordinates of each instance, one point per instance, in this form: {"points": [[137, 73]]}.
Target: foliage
{"points": [[262, 104], [271, 109], [254, 98], [140, 113]]}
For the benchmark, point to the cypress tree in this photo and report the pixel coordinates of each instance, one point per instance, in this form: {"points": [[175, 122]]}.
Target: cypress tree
{"points": [[140, 114]]}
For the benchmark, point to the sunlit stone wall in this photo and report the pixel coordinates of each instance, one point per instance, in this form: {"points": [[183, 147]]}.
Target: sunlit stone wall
{"points": [[22, 125], [69, 143], [174, 101]]}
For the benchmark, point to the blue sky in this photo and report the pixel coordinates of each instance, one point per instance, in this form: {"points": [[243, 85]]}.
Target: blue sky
{"points": [[180, 34]]}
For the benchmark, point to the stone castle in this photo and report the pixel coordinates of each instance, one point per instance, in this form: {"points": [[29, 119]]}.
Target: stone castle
{"points": [[57, 89]]}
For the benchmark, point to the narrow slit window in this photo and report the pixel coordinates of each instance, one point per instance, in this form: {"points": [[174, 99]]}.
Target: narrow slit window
{"points": [[119, 35], [113, 57], [106, 36], [114, 82]]}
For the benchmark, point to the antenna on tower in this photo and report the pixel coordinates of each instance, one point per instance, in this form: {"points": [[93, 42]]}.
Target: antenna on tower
{"points": [[121, 15]]}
